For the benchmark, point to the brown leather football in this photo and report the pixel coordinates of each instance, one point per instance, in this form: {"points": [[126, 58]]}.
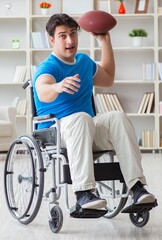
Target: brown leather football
{"points": [[97, 21]]}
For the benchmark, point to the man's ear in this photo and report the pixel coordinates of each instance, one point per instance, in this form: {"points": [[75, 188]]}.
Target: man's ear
{"points": [[52, 40]]}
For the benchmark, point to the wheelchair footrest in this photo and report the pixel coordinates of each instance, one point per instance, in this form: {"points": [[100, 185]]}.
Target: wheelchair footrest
{"points": [[137, 208], [78, 212]]}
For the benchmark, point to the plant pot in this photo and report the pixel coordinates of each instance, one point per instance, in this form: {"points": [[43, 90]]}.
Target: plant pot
{"points": [[121, 9], [137, 41], [44, 11]]}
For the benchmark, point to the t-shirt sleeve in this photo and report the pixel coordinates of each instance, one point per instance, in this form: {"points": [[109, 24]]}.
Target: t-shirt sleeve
{"points": [[42, 69]]}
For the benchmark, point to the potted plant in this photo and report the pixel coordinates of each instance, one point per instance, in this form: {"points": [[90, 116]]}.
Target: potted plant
{"points": [[138, 35], [45, 7]]}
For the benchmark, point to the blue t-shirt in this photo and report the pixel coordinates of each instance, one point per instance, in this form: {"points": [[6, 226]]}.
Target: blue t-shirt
{"points": [[66, 104]]}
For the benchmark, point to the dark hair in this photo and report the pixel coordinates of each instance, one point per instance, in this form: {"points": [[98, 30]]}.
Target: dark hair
{"points": [[58, 20]]}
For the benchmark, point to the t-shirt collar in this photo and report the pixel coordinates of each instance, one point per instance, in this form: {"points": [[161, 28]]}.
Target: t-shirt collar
{"points": [[69, 63]]}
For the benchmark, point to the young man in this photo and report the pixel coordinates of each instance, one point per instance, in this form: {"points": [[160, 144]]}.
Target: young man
{"points": [[63, 86]]}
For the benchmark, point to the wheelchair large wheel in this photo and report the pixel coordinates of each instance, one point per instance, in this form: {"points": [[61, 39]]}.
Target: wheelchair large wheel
{"points": [[115, 193], [24, 179]]}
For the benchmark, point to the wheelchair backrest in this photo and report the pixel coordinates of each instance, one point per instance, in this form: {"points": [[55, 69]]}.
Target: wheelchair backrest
{"points": [[28, 83]]}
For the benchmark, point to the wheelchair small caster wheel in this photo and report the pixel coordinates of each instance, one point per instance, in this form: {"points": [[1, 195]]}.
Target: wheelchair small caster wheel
{"points": [[139, 219], [56, 220]]}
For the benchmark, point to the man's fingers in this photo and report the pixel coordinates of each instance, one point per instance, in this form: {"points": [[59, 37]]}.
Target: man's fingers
{"points": [[67, 90], [72, 83]]}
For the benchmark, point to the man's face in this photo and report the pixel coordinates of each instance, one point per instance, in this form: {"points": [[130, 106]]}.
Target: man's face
{"points": [[65, 42]]}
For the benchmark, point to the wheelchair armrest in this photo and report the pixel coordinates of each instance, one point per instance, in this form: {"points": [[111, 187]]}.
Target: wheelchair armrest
{"points": [[44, 117], [48, 133]]}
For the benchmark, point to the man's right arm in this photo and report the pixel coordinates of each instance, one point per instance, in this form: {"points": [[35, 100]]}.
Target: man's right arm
{"points": [[48, 90]]}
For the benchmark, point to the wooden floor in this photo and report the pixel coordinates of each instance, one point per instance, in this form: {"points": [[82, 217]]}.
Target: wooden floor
{"points": [[117, 228]]}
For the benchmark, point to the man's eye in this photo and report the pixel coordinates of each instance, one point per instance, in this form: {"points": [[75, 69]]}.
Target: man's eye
{"points": [[62, 36]]}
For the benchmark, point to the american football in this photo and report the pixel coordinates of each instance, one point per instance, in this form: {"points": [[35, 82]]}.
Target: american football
{"points": [[97, 21]]}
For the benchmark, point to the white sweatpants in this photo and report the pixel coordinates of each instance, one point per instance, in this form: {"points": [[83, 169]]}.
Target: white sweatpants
{"points": [[81, 134]]}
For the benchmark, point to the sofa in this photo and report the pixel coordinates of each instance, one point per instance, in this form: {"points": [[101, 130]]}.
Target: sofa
{"points": [[7, 127]]}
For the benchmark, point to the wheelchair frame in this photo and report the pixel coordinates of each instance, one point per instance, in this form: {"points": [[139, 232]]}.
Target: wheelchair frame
{"points": [[29, 158]]}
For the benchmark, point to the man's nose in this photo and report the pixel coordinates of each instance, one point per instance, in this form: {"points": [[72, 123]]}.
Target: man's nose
{"points": [[69, 39]]}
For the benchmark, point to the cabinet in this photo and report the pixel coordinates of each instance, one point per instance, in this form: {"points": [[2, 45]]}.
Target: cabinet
{"points": [[129, 83], [13, 25], [24, 17]]}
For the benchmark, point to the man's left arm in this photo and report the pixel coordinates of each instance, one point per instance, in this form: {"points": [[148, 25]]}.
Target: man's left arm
{"points": [[106, 69]]}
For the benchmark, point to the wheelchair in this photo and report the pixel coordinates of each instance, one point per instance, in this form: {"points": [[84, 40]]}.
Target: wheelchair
{"points": [[27, 162]]}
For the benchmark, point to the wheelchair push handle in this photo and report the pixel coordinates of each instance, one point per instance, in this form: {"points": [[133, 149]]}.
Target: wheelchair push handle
{"points": [[26, 84]]}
